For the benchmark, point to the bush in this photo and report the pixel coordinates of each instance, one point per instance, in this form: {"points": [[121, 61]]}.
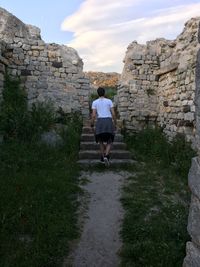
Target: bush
{"points": [[19, 122], [13, 109], [42, 117]]}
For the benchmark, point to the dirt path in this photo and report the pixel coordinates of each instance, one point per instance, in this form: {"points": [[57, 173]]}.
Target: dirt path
{"points": [[100, 240]]}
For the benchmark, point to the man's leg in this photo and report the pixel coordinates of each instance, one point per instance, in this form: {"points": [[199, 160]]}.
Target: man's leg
{"points": [[102, 149], [108, 148], [107, 156]]}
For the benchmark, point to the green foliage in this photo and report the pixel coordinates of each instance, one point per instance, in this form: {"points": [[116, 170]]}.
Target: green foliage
{"points": [[110, 92], [38, 183], [156, 201], [38, 192], [181, 155], [42, 117], [13, 109], [152, 145], [19, 122], [71, 135]]}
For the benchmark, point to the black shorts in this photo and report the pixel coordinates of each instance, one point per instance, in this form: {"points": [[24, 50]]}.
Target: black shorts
{"points": [[104, 138]]}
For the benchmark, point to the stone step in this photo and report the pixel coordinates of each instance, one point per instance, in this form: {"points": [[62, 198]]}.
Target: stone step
{"points": [[89, 153], [95, 146], [89, 130], [90, 137], [92, 154], [113, 162]]}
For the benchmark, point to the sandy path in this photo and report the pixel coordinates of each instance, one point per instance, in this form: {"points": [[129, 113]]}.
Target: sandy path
{"points": [[100, 241]]}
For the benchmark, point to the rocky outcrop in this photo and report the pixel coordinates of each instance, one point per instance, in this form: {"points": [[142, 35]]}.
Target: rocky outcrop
{"points": [[48, 71], [103, 79], [157, 85], [192, 258]]}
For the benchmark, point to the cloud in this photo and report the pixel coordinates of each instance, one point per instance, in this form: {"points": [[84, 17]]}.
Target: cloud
{"points": [[103, 29]]}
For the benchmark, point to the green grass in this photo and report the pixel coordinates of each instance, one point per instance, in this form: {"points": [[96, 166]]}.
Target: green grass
{"points": [[38, 190], [38, 183], [156, 201]]}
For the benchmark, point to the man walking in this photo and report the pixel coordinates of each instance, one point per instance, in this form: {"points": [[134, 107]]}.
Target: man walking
{"points": [[103, 111]]}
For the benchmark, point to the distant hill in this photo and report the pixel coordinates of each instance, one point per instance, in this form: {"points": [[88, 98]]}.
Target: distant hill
{"points": [[109, 79]]}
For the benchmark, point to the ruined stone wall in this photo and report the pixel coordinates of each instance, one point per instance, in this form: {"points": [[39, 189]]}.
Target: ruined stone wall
{"points": [[3, 64], [48, 71], [137, 96], [158, 83], [192, 258]]}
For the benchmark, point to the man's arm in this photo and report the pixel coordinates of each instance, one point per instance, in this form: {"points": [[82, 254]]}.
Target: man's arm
{"points": [[114, 116], [93, 117]]}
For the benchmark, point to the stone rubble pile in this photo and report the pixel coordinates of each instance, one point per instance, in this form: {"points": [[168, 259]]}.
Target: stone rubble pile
{"points": [[157, 84], [48, 71]]}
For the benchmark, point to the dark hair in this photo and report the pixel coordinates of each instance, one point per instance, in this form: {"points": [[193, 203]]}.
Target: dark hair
{"points": [[101, 91]]}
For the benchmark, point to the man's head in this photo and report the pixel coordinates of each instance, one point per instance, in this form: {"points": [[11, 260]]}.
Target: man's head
{"points": [[101, 91]]}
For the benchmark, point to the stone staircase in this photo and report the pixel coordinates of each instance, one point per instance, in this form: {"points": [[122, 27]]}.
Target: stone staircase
{"points": [[89, 153]]}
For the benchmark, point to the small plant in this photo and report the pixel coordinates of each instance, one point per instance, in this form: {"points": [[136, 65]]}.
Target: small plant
{"points": [[150, 91]]}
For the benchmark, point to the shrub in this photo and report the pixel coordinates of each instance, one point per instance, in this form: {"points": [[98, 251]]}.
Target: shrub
{"points": [[13, 109], [42, 117], [16, 120]]}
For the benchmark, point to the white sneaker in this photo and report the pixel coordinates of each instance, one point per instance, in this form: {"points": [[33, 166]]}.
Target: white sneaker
{"points": [[106, 161]]}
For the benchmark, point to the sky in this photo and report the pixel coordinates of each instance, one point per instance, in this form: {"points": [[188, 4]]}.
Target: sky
{"points": [[101, 30]]}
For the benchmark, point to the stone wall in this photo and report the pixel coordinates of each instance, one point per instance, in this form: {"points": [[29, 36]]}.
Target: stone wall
{"points": [[192, 258], [158, 83], [3, 64], [48, 71]]}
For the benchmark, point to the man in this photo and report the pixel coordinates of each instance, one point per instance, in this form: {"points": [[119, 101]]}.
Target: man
{"points": [[103, 110]]}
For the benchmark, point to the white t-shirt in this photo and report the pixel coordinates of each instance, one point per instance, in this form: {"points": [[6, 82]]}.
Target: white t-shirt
{"points": [[103, 107]]}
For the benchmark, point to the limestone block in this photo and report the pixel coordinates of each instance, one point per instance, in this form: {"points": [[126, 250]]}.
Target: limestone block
{"points": [[189, 116], [124, 104], [43, 53], [136, 56], [51, 138], [194, 177], [192, 108], [42, 59], [194, 220], [36, 47], [36, 53], [63, 75], [26, 47]]}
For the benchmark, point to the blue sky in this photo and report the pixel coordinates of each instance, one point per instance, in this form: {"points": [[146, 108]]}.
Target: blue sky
{"points": [[101, 30]]}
